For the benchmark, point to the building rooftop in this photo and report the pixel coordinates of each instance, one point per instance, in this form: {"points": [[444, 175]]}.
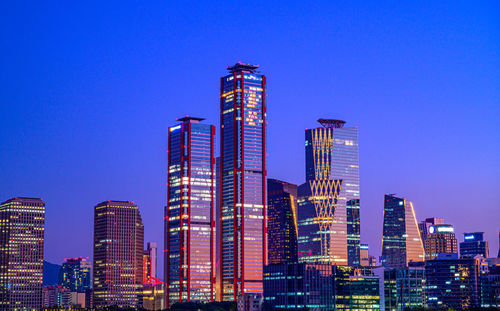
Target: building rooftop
{"points": [[188, 119], [331, 123], [239, 66]]}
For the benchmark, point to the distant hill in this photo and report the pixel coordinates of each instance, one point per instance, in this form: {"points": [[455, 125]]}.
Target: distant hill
{"points": [[50, 273]]}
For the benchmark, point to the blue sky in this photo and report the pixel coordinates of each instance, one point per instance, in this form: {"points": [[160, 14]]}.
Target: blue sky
{"points": [[88, 90]]}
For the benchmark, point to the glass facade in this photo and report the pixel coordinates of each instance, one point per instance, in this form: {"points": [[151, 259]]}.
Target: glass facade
{"points": [[473, 245], [401, 288], [242, 181], [355, 289], [22, 223], [329, 206], [282, 229], [453, 283], [189, 216], [298, 286], [75, 274], [401, 240], [118, 255]]}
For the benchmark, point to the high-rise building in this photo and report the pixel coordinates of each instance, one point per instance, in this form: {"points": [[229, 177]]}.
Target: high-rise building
{"points": [[282, 221], [355, 289], [22, 223], [473, 245], [424, 225], [243, 181], [329, 221], [189, 216], [74, 274], [401, 241], [149, 263], [401, 288], [118, 255], [296, 286], [440, 239], [364, 257], [452, 282]]}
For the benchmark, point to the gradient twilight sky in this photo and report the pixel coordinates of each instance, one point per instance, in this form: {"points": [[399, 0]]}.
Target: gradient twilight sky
{"points": [[87, 92]]}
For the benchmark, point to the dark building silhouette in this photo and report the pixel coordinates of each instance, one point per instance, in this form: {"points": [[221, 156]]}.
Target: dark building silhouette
{"points": [[282, 221]]}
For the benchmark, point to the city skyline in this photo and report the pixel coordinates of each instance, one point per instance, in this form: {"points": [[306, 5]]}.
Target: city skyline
{"points": [[431, 172]]}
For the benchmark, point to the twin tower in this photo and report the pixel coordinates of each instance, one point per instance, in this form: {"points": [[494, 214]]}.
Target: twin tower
{"points": [[216, 228]]}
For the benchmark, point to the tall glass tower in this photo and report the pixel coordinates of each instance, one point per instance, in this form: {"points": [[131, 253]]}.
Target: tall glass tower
{"points": [[329, 200], [401, 240], [242, 181], [189, 215]]}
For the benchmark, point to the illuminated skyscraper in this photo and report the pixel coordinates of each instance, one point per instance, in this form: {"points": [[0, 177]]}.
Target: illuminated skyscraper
{"points": [[473, 245], [424, 225], [243, 181], [189, 217], [329, 219], [118, 255], [22, 222], [282, 221], [440, 240], [401, 241], [74, 274]]}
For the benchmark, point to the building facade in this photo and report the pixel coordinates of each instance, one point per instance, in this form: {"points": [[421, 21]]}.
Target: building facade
{"points": [[22, 223], [424, 225], [329, 218], [401, 241], [282, 231], [452, 282], [401, 288], [243, 181], [298, 286], [473, 245], [355, 288], [149, 263], [75, 274], [189, 216], [440, 240], [118, 255]]}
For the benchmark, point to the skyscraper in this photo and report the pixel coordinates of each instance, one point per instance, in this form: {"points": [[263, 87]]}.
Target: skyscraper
{"points": [[189, 216], [22, 223], [118, 254], [282, 221], [74, 274], [473, 245], [401, 241], [243, 181], [440, 240], [329, 219], [424, 225]]}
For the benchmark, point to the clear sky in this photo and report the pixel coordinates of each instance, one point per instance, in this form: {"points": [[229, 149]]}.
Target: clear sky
{"points": [[87, 92]]}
